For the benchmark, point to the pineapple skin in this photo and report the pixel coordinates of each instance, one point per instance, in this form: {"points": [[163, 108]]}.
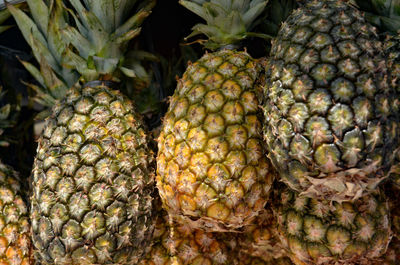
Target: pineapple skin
{"points": [[332, 233], [15, 229], [392, 255], [179, 244], [331, 118], [211, 165], [260, 239], [391, 47], [93, 181]]}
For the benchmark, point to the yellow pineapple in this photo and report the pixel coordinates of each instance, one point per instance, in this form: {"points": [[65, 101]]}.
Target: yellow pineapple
{"points": [[212, 169]]}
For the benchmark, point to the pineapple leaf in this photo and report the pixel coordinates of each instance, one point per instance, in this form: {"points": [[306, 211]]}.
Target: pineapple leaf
{"points": [[34, 72], [4, 15], [96, 32], [26, 25], [105, 65], [128, 72], [40, 50], [40, 14], [135, 20], [5, 111], [384, 14], [228, 21], [74, 61], [195, 8], [253, 13], [127, 36], [52, 82], [42, 96], [4, 28], [72, 35]]}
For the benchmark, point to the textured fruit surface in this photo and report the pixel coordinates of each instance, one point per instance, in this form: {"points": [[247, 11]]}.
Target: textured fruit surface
{"points": [[15, 234], [260, 239], [391, 47], [92, 182], [392, 255], [211, 164], [250, 260], [392, 50], [395, 171], [325, 232], [178, 244], [183, 246], [332, 119], [392, 193], [159, 252]]}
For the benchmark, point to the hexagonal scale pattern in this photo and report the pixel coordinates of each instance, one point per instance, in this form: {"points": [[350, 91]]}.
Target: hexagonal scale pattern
{"points": [[331, 118], [92, 182], [211, 163]]}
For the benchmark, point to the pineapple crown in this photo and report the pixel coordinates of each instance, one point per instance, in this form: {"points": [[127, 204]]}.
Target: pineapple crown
{"points": [[100, 34], [384, 14], [78, 39], [228, 21]]}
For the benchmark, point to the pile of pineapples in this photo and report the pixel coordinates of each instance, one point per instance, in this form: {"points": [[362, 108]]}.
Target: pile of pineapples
{"points": [[293, 158]]}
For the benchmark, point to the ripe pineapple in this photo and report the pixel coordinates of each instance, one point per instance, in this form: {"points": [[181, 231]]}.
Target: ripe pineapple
{"points": [[331, 119], [15, 229], [211, 164], [257, 245], [326, 232], [93, 176], [178, 244]]}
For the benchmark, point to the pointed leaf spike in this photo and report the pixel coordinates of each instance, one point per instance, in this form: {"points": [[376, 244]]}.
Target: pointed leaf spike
{"points": [[228, 21]]}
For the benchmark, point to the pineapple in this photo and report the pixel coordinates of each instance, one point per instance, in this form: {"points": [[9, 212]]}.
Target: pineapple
{"points": [[178, 244], [385, 16], [331, 118], [260, 239], [392, 255], [15, 229], [391, 191], [93, 174], [326, 232], [212, 171], [250, 260], [159, 252]]}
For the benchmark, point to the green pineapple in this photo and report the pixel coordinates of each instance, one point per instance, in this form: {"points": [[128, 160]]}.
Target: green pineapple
{"points": [[385, 15], [326, 232], [211, 166], [331, 118], [93, 174]]}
